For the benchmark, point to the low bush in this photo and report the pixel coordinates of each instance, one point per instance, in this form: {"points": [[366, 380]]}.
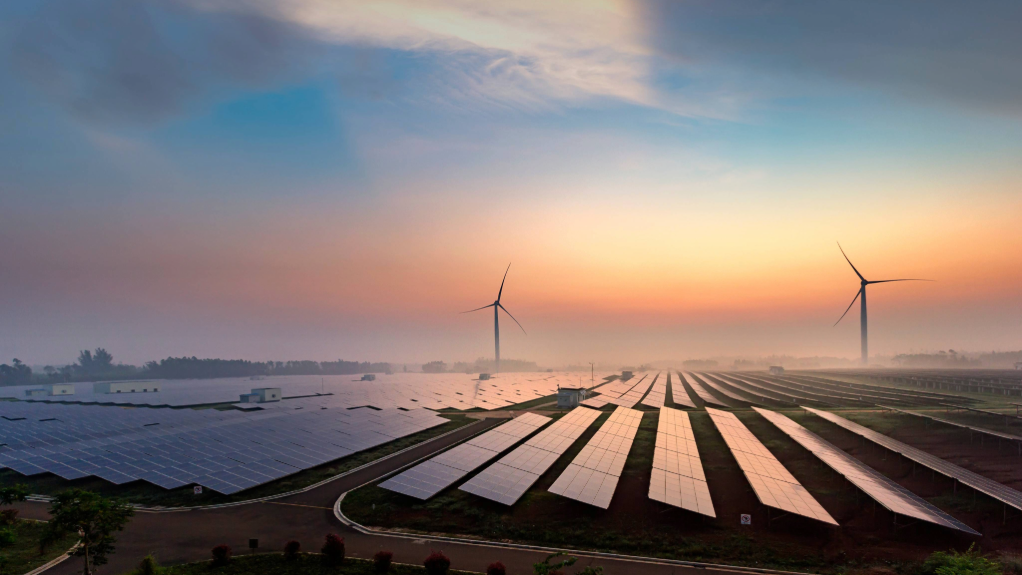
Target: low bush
{"points": [[437, 564], [1011, 563], [333, 550], [291, 549], [148, 566], [496, 568], [970, 562], [7, 536], [221, 555], [382, 561]]}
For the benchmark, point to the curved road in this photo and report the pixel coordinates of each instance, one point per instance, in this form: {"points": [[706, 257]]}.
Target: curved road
{"points": [[187, 536]]}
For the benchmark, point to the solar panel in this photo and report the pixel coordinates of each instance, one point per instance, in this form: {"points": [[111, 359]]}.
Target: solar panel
{"points": [[657, 395], [701, 391], [981, 430], [998, 491], [593, 475], [708, 382], [773, 484], [886, 492], [677, 478], [433, 476], [510, 477], [613, 392]]}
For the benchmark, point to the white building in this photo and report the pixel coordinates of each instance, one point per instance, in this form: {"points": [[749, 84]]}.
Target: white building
{"points": [[52, 389], [261, 395], [126, 387], [569, 397], [1018, 365]]}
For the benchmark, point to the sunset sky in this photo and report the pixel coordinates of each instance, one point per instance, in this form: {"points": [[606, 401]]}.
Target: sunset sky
{"points": [[319, 179]]}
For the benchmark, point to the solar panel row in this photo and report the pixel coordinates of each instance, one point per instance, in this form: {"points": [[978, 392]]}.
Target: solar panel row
{"points": [[701, 391], [998, 491], [433, 476], [615, 391], [657, 395], [593, 475], [885, 491], [773, 484], [512, 475], [677, 478]]}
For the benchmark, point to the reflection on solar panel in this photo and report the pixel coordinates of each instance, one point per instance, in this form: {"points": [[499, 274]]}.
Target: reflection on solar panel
{"points": [[593, 475], [613, 392], [433, 476], [998, 491], [701, 391], [658, 393], [634, 394], [886, 492], [773, 484], [677, 477], [510, 477], [226, 451]]}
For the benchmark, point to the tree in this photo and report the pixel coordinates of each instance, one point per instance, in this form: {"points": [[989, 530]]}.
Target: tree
{"points": [[9, 495], [102, 360], [434, 367], [15, 374], [94, 517]]}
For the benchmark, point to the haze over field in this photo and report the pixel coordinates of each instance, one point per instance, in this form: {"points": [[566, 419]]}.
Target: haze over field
{"points": [[315, 179]]}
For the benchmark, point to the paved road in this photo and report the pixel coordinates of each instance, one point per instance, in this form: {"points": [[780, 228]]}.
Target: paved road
{"points": [[186, 536]]}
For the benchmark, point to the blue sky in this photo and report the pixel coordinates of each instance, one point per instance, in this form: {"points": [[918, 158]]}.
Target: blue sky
{"points": [[272, 175]]}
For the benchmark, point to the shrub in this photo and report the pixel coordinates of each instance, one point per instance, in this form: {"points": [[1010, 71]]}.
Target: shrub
{"points": [[221, 555], [8, 517], [496, 568], [382, 560], [333, 550], [7, 536], [437, 564], [971, 562], [148, 566], [291, 549]]}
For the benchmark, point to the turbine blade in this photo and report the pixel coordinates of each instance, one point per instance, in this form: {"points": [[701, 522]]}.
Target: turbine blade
{"points": [[479, 308], [502, 282], [512, 317], [857, 294], [901, 280], [850, 263]]}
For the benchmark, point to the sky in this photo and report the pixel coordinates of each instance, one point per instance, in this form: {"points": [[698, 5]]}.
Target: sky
{"points": [[323, 179]]}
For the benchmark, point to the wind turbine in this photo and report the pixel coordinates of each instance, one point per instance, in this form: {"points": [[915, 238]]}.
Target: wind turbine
{"points": [[496, 319], [862, 294]]}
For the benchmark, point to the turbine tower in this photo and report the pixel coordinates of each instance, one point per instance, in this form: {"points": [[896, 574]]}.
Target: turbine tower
{"points": [[862, 294], [496, 319]]}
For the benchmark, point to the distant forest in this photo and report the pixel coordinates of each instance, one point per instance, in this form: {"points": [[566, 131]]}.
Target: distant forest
{"points": [[99, 365]]}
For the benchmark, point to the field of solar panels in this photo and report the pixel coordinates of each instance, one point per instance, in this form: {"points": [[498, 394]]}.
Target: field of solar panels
{"points": [[830, 470], [154, 448]]}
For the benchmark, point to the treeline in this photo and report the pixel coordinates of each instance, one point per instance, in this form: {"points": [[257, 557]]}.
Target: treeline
{"points": [[99, 365], [195, 368]]}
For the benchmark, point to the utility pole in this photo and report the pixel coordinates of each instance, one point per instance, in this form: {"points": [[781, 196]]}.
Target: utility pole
{"points": [[592, 374]]}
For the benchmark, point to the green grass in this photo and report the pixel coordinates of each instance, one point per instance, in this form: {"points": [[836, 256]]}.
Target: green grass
{"points": [[275, 564], [140, 492], [23, 555]]}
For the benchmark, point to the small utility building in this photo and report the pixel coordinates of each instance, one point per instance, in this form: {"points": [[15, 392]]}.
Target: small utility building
{"points": [[126, 387], [53, 389], [261, 395], [484, 376], [626, 374], [369, 377], [569, 397], [776, 370]]}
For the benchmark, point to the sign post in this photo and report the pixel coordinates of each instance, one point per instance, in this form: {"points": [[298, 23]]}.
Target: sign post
{"points": [[746, 519]]}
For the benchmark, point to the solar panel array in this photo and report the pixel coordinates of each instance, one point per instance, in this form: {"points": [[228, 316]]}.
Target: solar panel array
{"points": [[226, 451], [657, 395], [512, 475], [998, 491], [701, 391], [433, 476], [405, 390], [679, 395], [742, 399], [614, 391], [677, 477], [774, 485], [593, 475], [885, 491], [981, 430]]}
